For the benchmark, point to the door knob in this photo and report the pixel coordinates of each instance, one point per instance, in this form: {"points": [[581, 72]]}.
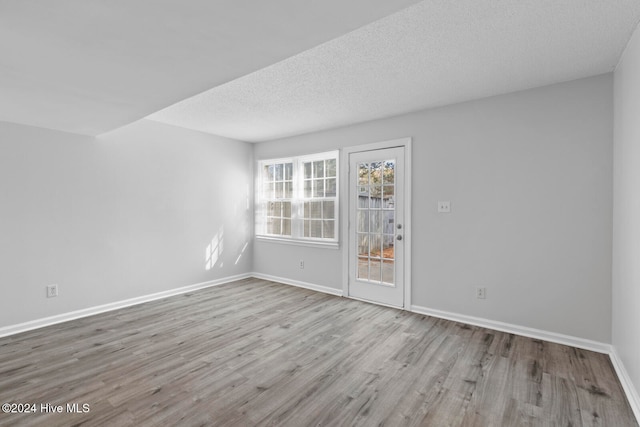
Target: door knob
{"points": [[399, 237]]}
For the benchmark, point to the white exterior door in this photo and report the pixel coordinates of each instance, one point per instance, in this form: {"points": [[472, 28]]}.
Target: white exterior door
{"points": [[376, 226]]}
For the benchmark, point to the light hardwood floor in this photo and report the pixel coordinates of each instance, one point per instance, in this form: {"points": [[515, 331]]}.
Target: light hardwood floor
{"points": [[259, 353]]}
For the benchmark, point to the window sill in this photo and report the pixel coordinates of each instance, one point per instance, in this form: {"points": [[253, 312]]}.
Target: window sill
{"points": [[295, 242]]}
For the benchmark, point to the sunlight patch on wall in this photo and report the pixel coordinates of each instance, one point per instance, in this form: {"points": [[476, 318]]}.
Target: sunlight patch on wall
{"points": [[214, 250], [244, 248]]}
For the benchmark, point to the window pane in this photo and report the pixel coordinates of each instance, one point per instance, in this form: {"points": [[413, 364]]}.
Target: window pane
{"points": [[389, 203], [328, 209], [376, 173], [388, 191], [313, 210], [313, 228], [363, 244], [331, 167], [276, 226], [278, 172], [328, 228], [318, 169], [363, 268], [288, 171], [318, 188], [279, 190], [269, 226], [376, 192], [374, 270], [387, 272], [316, 228], [286, 227], [363, 201], [307, 170], [268, 190], [376, 222], [388, 222], [270, 172], [363, 221], [363, 174], [330, 187], [307, 189], [389, 172], [375, 245], [388, 251], [286, 209], [288, 190]]}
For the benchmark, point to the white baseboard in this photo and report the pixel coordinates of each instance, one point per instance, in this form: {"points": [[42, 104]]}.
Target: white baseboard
{"points": [[298, 283], [627, 384], [569, 340], [586, 344], [599, 347], [65, 317]]}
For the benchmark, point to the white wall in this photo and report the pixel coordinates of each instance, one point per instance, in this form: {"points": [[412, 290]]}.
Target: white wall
{"points": [[529, 176], [626, 211], [125, 215]]}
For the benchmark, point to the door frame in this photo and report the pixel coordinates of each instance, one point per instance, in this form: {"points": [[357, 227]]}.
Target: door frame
{"points": [[344, 210]]}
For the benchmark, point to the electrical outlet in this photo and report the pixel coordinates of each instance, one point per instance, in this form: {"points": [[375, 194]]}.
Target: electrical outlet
{"points": [[444, 207], [52, 291], [481, 293], [301, 263]]}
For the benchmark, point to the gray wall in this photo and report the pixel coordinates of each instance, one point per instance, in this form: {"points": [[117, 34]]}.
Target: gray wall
{"points": [[529, 177], [125, 215], [626, 211]]}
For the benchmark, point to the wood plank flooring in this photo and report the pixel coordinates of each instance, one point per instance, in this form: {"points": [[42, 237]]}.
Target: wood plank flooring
{"points": [[257, 353]]}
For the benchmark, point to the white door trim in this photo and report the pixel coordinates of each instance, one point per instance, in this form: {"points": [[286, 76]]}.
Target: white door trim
{"points": [[344, 209]]}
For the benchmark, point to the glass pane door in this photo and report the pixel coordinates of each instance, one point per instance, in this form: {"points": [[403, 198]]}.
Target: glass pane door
{"points": [[376, 229], [375, 217]]}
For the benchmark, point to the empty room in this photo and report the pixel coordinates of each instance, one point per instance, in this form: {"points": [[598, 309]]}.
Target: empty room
{"points": [[336, 213]]}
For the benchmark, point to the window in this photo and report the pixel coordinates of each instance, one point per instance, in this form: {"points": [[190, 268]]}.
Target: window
{"points": [[277, 195], [298, 198]]}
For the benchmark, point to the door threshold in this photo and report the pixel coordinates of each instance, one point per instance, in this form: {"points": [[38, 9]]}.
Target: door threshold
{"points": [[399, 307]]}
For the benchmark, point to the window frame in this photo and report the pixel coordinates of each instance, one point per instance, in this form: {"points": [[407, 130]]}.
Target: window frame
{"points": [[298, 200]]}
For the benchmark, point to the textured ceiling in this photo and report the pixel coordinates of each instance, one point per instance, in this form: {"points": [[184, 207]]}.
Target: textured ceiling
{"points": [[89, 66], [433, 53]]}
